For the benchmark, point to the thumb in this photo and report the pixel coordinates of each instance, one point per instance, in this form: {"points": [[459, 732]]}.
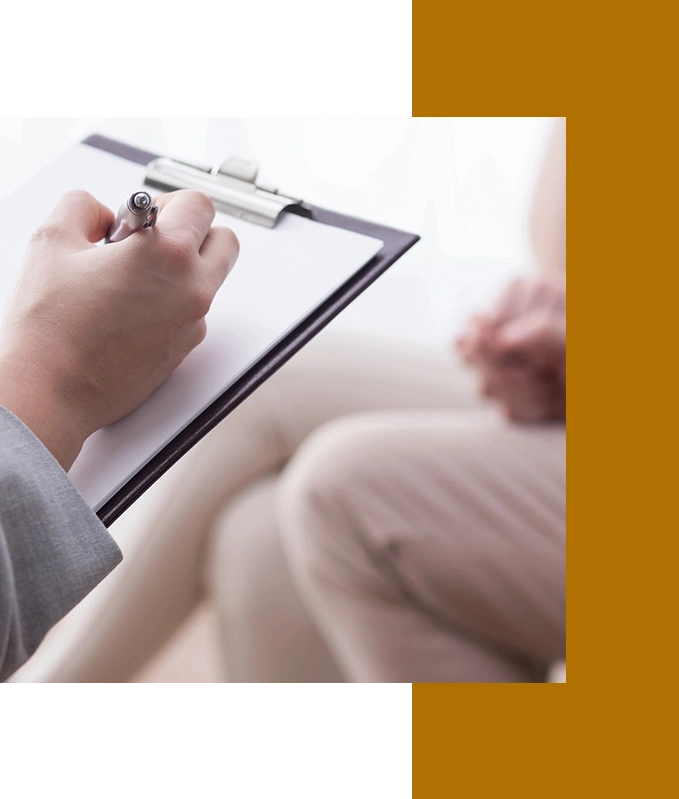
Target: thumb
{"points": [[81, 218]]}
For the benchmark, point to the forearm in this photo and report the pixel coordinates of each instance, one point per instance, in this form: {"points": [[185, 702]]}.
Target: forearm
{"points": [[548, 216]]}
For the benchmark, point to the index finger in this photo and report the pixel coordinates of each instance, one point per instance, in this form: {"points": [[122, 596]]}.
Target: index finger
{"points": [[186, 212], [81, 217]]}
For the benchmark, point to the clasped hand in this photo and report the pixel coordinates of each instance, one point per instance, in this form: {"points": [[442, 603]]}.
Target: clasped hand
{"points": [[519, 350]]}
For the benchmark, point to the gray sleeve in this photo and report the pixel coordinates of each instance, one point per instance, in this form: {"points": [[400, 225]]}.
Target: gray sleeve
{"points": [[53, 548]]}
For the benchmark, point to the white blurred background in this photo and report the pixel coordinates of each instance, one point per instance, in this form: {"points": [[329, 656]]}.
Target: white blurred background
{"points": [[463, 184]]}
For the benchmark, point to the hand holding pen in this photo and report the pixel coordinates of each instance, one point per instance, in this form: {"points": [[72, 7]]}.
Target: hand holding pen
{"points": [[93, 331]]}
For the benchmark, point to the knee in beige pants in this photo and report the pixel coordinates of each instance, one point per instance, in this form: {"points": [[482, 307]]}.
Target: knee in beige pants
{"points": [[431, 545]]}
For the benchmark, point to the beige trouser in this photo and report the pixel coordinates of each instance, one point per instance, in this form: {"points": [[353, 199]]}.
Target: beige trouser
{"points": [[429, 543]]}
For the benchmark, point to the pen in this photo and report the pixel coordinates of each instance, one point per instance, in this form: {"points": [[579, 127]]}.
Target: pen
{"points": [[136, 213]]}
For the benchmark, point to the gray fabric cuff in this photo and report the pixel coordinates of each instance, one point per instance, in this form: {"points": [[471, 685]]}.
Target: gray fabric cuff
{"points": [[53, 548]]}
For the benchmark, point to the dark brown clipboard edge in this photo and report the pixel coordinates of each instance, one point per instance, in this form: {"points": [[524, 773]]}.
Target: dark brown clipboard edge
{"points": [[395, 244]]}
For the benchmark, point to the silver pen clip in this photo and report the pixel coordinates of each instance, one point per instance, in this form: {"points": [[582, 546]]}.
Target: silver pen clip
{"points": [[153, 215]]}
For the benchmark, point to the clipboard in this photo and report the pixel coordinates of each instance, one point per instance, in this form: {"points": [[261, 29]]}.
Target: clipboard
{"points": [[235, 190]]}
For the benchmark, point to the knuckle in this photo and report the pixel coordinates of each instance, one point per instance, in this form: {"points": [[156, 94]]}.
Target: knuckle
{"points": [[231, 240], [78, 194], [48, 232], [198, 334], [228, 249], [233, 246], [180, 249], [199, 303], [201, 201]]}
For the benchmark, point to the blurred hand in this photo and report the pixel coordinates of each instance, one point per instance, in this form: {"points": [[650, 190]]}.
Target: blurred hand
{"points": [[519, 349], [92, 331]]}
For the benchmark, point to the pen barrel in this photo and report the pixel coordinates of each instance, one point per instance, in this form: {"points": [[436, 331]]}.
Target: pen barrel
{"points": [[127, 221]]}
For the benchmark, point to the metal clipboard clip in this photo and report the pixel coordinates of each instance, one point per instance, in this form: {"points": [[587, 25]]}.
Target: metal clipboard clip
{"points": [[232, 186]]}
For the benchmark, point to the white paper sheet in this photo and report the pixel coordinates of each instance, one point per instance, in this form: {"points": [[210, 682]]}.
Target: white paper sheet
{"points": [[281, 274]]}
